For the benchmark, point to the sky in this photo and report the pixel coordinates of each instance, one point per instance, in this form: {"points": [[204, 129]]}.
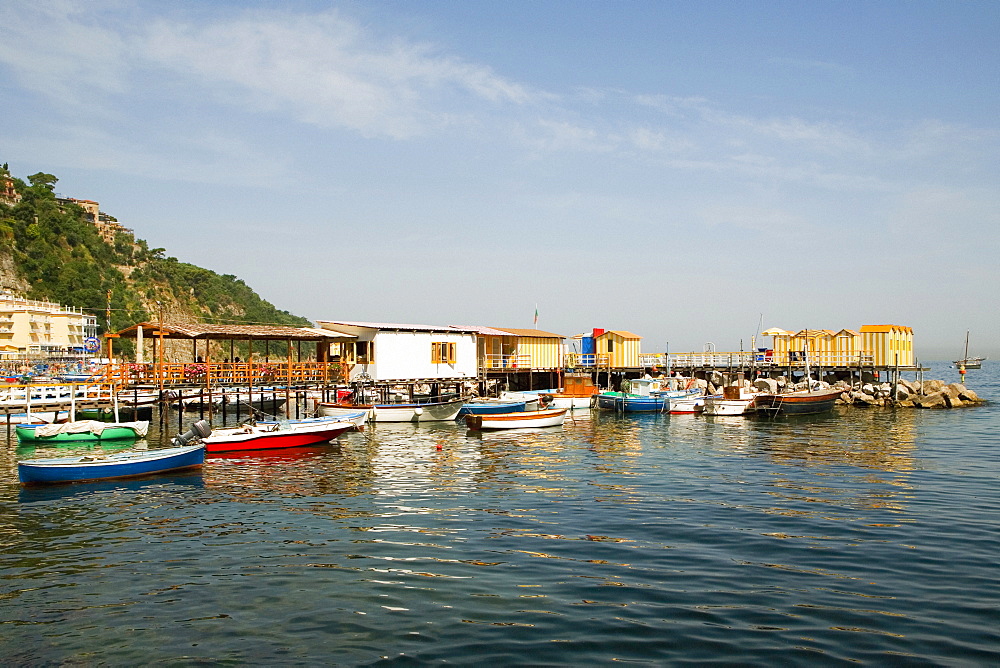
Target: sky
{"points": [[692, 172]]}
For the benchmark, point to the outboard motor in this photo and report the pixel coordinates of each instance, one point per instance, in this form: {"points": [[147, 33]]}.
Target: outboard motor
{"points": [[199, 429]]}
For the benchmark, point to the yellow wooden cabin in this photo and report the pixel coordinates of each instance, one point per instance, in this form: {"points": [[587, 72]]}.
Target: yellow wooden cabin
{"points": [[613, 349], [891, 345], [873, 345], [509, 348]]}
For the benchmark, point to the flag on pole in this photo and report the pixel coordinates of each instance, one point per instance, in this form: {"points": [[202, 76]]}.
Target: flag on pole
{"points": [[536, 316]]}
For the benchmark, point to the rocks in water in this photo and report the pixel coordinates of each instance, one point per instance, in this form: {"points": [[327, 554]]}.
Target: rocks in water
{"points": [[871, 393], [970, 396], [769, 385], [934, 400]]}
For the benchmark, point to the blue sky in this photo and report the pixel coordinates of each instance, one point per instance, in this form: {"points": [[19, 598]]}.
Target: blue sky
{"points": [[681, 170]]}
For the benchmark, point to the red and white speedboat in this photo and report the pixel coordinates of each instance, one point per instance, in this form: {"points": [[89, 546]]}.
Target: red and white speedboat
{"points": [[271, 435]]}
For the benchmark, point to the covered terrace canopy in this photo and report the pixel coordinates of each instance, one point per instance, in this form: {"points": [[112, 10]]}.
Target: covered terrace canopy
{"points": [[208, 331], [210, 370]]}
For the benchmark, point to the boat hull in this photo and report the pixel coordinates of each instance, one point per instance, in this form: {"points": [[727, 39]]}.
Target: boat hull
{"points": [[686, 405], [796, 403], [632, 403], [429, 412], [120, 465], [272, 437], [518, 420], [490, 408], [35, 433], [720, 406], [571, 401]]}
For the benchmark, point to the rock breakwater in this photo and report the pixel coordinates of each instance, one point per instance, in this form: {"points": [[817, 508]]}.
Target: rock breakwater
{"points": [[864, 391]]}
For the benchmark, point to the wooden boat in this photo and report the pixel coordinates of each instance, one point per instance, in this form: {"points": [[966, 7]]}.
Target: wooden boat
{"points": [[490, 406], [633, 403], [518, 420], [801, 402], [107, 413], [419, 412], [34, 417], [578, 392], [642, 395], [570, 401], [734, 400], [357, 418], [102, 467], [272, 435], [694, 403], [266, 400], [80, 431], [969, 362]]}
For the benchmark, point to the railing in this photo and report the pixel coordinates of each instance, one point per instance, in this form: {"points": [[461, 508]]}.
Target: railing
{"points": [[584, 360], [652, 359], [239, 373], [506, 362]]}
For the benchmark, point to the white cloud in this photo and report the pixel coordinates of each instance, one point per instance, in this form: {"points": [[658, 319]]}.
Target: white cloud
{"points": [[62, 51], [328, 72]]}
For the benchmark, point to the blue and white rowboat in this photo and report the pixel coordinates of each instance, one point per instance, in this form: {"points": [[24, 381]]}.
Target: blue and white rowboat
{"points": [[487, 407], [101, 467]]}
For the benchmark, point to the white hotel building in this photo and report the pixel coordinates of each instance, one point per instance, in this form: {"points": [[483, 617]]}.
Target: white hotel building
{"points": [[30, 328]]}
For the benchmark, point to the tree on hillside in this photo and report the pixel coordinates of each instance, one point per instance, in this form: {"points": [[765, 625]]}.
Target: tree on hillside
{"points": [[43, 180]]}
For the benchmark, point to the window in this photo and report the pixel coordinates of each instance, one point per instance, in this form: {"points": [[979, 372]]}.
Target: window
{"points": [[442, 352], [363, 351], [611, 345]]}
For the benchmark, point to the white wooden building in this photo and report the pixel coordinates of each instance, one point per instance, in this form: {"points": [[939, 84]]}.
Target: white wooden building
{"points": [[390, 352]]}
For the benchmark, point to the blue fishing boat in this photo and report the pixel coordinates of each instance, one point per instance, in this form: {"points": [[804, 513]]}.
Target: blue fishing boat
{"points": [[642, 395], [490, 407], [633, 403], [101, 467]]}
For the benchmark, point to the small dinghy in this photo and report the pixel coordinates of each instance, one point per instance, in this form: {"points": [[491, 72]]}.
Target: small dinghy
{"points": [[101, 467], [521, 420], [80, 431], [129, 464]]}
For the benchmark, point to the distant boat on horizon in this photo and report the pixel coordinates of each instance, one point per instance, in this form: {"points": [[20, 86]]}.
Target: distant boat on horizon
{"points": [[969, 362]]}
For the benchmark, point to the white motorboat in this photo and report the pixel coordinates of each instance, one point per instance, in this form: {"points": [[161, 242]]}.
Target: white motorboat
{"points": [[424, 412]]}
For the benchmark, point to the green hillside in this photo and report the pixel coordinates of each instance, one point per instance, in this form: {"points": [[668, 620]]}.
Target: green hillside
{"points": [[52, 252]]}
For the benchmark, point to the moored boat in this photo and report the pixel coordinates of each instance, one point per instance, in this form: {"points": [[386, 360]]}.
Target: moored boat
{"points": [[632, 403], [570, 401], [274, 435], [800, 402], [969, 362], [733, 401], [80, 431], [694, 403], [413, 412], [101, 467], [34, 417], [490, 406], [519, 420], [579, 391]]}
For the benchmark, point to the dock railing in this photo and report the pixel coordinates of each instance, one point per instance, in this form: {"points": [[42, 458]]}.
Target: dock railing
{"points": [[505, 362], [587, 361], [275, 372]]}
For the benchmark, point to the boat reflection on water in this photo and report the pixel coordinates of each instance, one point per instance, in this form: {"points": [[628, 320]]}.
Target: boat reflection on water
{"points": [[180, 482], [269, 457], [31, 450]]}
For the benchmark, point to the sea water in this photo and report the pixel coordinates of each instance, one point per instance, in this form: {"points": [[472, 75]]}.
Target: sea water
{"points": [[865, 535]]}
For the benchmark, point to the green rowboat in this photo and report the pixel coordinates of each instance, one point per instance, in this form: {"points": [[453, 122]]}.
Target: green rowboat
{"points": [[81, 431]]}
